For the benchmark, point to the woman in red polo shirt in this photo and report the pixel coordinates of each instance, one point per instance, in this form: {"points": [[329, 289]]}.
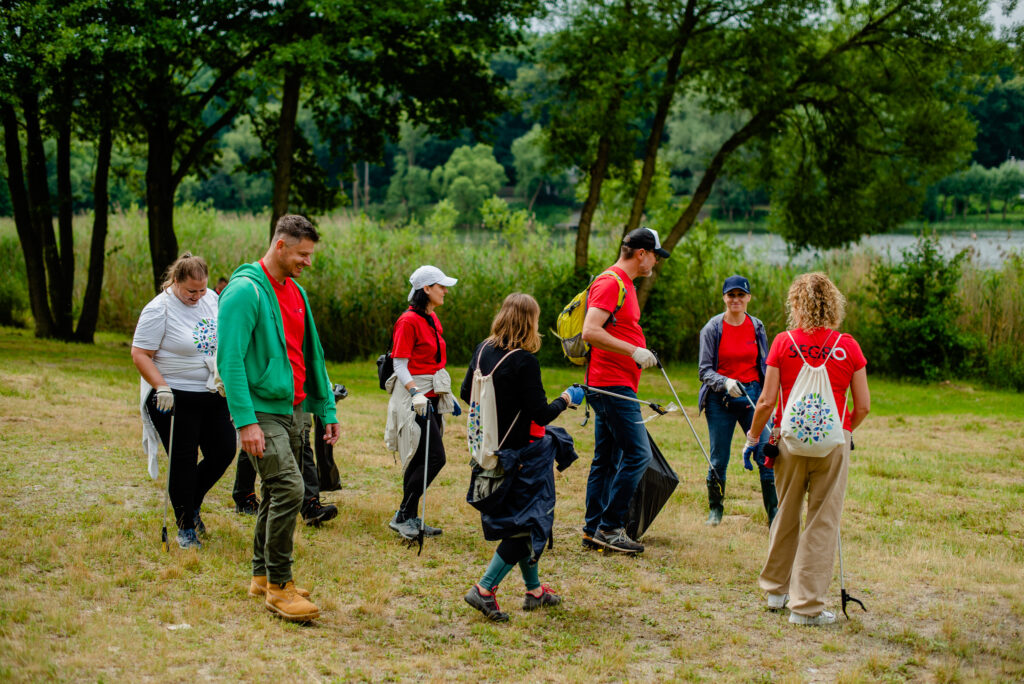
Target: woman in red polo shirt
{"points": [[733, 349], [420, 379], [799, 566]]}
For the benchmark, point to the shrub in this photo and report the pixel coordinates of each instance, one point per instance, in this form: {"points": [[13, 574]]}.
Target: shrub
{"points": [[14, 303], [914, 330]]}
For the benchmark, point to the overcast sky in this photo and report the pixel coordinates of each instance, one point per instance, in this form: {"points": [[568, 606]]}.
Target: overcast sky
{"points": [[1000, 19]]}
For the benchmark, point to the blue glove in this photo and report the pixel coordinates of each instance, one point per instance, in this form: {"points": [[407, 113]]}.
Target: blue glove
{"points": [[749, 452], [575, 395], [456, 409]]}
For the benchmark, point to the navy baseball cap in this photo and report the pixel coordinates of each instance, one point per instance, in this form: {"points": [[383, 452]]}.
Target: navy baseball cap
{"points": [[736, 282], [645, 238]]}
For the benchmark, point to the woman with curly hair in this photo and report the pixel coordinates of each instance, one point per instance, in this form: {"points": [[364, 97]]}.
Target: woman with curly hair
{"points": [[799, 566]]}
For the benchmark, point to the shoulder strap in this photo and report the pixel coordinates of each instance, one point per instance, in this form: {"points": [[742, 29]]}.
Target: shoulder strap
{"points": [[797, 347], [509, 353]]}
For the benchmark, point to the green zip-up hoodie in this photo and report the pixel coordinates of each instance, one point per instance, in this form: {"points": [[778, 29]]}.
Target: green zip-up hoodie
{"points": [[252, 358]]}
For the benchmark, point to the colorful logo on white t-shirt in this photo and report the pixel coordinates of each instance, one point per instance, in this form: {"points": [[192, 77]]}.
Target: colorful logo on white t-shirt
{"points": [[204, 334]]}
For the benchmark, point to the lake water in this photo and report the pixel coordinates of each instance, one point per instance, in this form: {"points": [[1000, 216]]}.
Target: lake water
{"points": [[991, 247]]}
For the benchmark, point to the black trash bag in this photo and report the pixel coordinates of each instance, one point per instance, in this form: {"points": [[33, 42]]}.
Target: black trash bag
{"points": [[326, 468], [655, 488]]}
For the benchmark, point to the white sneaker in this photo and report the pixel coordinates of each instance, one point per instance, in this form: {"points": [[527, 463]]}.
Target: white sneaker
{"points": [[777, 601], [823, 618]]}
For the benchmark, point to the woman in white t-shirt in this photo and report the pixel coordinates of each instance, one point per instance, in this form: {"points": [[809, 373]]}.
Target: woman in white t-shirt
{"points": [[175, 348]]}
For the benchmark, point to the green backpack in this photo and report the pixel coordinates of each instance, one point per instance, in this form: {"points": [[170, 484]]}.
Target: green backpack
{"points": [[569, 324]]}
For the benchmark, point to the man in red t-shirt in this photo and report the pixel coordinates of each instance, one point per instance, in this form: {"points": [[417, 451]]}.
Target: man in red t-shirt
{"points": [[618, 352]]}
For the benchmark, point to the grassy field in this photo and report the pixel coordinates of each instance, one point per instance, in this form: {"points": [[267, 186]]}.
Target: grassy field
{"points": [[932, 535]]}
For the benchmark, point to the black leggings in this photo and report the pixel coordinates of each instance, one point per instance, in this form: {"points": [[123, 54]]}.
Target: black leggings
{"points": [[201, 423], [413, 480], [514, 549]]}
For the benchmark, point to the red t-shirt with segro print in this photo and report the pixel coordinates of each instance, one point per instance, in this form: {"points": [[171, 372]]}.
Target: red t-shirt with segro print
{"points": [[293, 318], [737, 351], [608, 369], [815, 347]]}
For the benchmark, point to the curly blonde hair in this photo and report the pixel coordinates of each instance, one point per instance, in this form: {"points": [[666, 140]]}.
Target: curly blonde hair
{"points": [[515, 326], [815, 302]]}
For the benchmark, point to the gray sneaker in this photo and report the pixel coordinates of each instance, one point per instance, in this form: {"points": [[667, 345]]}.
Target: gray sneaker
{"points": [[617, 540], [825, 617], [428, 531], [407, 529], [187, 539]]}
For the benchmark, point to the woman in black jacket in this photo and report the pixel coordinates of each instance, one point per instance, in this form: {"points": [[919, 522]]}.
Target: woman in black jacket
{"points": [[522, 519]]}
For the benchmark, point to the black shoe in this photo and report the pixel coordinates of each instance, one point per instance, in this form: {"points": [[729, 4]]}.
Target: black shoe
{"points": [[250, 505], [317, 513], [716, 495], [488, 605], [617, 540], [199, 524], [546, 598]]}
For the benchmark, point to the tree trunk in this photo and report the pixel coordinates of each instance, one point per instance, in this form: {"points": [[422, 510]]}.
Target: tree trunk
{"points": [[42, 217], [31, 246], [756, 124], [654, 138], [163, 243], [285, 144], [65, 214], [598, 170], [97, 247], [536, 193]]}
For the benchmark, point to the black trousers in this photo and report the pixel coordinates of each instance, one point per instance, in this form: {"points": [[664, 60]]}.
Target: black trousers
{"points": [[245, 476], [412, 483], [201, 423]]}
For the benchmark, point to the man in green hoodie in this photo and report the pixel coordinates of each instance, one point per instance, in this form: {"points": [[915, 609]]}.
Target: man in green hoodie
{"points": [[272, 364]]}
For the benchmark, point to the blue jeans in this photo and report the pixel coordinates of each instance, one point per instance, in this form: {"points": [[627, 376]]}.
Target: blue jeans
{"points": [[622, 452], [722, 413]]}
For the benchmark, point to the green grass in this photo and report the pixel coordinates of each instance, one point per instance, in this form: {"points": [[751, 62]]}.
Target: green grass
{"points": [[932, 535]]}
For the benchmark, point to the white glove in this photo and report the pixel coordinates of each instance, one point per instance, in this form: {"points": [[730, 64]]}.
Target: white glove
{"points": [[164, 399], [733, 388], [644, 358], [419, 404]]}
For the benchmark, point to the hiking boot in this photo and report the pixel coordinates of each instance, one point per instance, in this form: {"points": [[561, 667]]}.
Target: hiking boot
{"points": [[284, 600], [488, 605], [716, 493], [317, 513], [776, 601], [407, 529], [617, 540], [589, 543], [250, 505], [770, 499], [428, 531], [546, 598], [187, 539], [823, 618], [199, 524], [258, 587]]}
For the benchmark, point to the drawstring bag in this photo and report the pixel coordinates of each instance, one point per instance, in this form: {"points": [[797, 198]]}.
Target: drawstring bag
{"points": [[482, 417], [811, 423]]}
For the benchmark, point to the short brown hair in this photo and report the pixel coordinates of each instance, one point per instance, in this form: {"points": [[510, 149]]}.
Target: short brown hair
{"points": [[294, 228], [184, 267], [815, 302], [515, 326]]}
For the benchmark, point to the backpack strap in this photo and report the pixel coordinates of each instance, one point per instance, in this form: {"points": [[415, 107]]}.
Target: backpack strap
{"points": [[622, 294], [507, 354]]}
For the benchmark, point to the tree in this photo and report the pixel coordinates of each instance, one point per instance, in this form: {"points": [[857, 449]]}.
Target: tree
{"points": [[1008, 183], [56, 77], [853, 110], [470, 176], [533, 170]]}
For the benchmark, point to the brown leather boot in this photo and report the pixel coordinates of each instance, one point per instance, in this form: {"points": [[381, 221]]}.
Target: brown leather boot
{"points": [[283, 600], [258, 587]]}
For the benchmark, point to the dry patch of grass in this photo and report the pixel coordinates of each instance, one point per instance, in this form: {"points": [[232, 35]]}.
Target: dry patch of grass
{"points": [[931, 534]]}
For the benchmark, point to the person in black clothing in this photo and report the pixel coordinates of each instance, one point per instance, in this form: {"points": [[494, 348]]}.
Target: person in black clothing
{"points": [[522, 520]]}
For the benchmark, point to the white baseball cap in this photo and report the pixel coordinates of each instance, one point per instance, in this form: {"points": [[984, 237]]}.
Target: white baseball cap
{"points": [[428, 275]]}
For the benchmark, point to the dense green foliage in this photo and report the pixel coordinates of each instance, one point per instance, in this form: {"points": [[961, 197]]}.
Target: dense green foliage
{"points": [[925, 316]]}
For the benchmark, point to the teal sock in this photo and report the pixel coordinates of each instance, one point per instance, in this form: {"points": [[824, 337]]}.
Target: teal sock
{"points": [[495, 572], [530, 574]]}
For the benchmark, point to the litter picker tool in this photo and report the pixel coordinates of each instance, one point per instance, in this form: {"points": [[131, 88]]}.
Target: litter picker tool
{"points": [[170, 449], [654, 406], [426, 469], [711, 468], [843, 596]]}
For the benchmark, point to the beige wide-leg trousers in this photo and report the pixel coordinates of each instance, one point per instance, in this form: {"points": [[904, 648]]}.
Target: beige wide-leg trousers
{"points": [[801, 564]]}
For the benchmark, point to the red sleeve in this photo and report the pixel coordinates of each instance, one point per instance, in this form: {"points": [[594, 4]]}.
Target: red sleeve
{"points": [[778, 347], [853, 352], [604, 293], [405, 337]]}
